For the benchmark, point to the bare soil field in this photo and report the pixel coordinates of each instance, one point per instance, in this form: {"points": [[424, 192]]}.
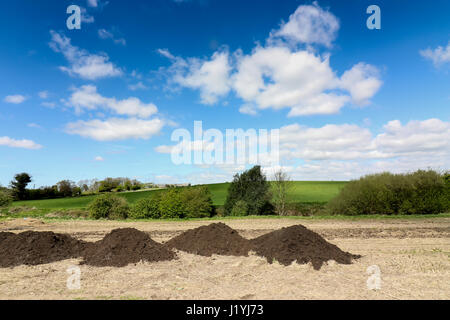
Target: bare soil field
{"points": [[413, 256]]}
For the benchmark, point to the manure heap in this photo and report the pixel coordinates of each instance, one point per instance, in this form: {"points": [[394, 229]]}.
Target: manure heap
{"points": [[216, 238], [297, 243], [123, 246]]}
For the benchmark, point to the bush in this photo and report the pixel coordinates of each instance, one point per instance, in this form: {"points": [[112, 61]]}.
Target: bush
{"points": [[171, 204], [240, 209], [187, 202], [147, 208], [5, 198], [109, 207], [197, 202], [421, 192], [251, 187]]}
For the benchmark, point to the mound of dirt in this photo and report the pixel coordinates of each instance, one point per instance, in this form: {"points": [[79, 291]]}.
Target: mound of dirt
{"points": [[33, 248], [216, 238], [121, 247], [299, 243]]}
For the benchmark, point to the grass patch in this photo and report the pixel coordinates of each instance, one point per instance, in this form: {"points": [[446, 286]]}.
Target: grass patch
{"points": [[302, 191]]}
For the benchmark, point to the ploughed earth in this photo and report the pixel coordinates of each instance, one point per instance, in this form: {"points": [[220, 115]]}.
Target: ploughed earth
{"points": [[230, 259]]}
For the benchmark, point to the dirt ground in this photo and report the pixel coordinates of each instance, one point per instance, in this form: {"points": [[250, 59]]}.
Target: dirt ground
{"points": [[413, 257]]}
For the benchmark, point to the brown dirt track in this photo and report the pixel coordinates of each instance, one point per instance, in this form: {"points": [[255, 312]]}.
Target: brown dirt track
{"points": [[413, 255]]}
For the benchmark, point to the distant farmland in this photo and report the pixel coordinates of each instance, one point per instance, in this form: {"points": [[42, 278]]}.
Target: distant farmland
{"points": [[302, 191]]}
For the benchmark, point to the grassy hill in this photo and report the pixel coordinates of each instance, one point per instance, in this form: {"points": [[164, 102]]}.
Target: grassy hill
{"points": [[302, 191]]}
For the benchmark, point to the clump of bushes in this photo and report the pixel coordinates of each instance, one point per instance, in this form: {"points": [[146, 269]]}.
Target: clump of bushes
{"points": [[109, 206], [252, 188], [420, 192], [5, 198], [146, 208], [187, 202]]}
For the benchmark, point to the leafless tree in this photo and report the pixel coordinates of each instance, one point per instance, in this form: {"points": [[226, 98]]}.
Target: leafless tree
{"points": [[280, 187]]}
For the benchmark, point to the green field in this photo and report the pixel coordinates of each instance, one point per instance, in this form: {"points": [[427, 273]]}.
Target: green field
{"points": [[302, 191]]}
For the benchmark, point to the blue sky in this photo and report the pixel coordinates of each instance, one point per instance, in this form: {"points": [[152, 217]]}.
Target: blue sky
{"points": [[104, 100]]}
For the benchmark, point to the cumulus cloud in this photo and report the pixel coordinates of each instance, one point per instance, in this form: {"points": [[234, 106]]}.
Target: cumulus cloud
{"points": [[429, 138], [82, 63], [116, 129], [362, 81], [309, 24], [347, 151], [438, 56], [277, 77], [282, 74], [87, 98], [209, 76], [24, 144], [15, 99]]}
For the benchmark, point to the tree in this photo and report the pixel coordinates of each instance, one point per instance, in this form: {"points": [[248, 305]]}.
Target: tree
{"points": [[19, 185], [280, 187], [66, 188], [252, 187]]}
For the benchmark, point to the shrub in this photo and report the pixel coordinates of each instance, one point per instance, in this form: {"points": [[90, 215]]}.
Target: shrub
{"points": [[240, 209], [251, 187], [109, 207], [187, 202], [147, 208], [197, 202], [421, 192], [171, 204], [5, 198]]}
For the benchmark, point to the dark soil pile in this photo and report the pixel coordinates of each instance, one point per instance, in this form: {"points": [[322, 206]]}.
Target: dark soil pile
{"points": [[298, 243], [216, 238], [121, 247], [33, 248]]}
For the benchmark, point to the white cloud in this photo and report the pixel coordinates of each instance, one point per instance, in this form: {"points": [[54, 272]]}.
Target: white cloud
{"points": [[281, 75], [15, 99], [210, 76], [86, 17], [116, 129], [277, 77], [87, 98], [438, 56], [99, 158], [137, 86], [347, 151], [105, 34], [13, 143], [248, 109], [362, 81], [309, 24], [43, 94], [82, 63], [429, 138], [92, 3]]}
